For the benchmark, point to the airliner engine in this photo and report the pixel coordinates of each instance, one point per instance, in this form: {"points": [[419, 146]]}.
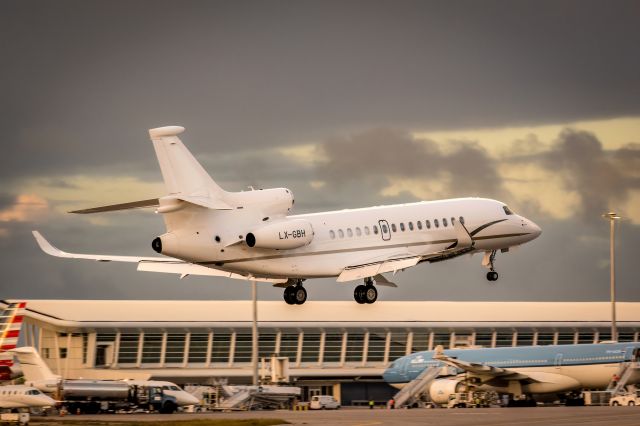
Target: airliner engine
{"points": [[285, 234], [440, 389]]}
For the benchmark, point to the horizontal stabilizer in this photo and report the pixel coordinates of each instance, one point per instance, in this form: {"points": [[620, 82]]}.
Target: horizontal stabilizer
{"points": [[153, 202]]}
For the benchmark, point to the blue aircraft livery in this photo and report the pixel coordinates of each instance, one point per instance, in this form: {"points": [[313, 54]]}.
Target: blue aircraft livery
{"points": [[521, 370]]}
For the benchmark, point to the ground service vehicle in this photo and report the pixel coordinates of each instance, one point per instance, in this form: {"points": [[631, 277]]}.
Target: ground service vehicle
{"points": [[322, 402], [631, 398]]}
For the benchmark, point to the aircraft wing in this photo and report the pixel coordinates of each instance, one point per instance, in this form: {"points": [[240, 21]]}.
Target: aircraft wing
{"points": [[484, 372], [463, 243], [151, 264], [351, 273]]}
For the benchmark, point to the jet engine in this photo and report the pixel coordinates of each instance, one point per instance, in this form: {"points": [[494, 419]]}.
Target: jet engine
{"points": [[285, 234], [440, 389]]}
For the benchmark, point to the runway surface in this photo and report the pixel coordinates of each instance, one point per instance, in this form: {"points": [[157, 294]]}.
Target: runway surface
{"points": [[591, 416]]}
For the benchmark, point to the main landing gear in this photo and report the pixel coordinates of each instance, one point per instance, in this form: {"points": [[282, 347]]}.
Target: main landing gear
{"points": [[492, 275], [295, 294], [366, 293]]}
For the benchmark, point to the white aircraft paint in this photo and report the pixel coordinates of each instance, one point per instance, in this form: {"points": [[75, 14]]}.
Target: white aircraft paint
{"points": [[250, 235]]}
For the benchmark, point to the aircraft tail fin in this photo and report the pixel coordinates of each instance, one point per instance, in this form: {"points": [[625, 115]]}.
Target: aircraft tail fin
{"points": [[182, 173], [11, 324], [33, 366]]}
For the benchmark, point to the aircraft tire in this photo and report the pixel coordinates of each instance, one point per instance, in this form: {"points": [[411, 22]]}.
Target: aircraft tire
{"points": [[359, 294], [370, 294], [289, 295], [299, 295], [492, 276]]}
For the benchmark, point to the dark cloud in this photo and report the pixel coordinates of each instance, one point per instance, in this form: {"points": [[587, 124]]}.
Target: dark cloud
{"points": [[83, 81], [603, 179], [371, 159]]}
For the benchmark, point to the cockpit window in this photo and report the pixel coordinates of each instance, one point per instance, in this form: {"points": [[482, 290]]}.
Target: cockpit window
{"points": [[507, 210]]}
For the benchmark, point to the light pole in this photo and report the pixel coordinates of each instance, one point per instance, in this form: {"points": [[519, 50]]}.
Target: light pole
{"points": [[254, 332], [612, 217]]}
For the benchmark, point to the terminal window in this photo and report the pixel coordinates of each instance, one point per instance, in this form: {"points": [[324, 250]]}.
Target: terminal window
{"points": [[175, 348], [243, 348], [266, 344], [310, 347], [128, 353], [151, 348], [332, 347], [220, 347], [355, 345], [377, 343], [289, 346], [198, 343]]}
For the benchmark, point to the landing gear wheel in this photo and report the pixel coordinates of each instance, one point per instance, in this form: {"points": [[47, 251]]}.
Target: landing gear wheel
{"points": [[299, 295], [370, 294], [289, 295], [492, 276], [359, 294]]}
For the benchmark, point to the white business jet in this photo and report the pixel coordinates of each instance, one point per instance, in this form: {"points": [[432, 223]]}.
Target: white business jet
{"points": [[21, 396], [250, 235]]}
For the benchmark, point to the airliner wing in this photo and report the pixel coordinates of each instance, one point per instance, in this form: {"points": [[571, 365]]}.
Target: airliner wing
{"points": [[150, 264], [485, 372], [351, 273]]}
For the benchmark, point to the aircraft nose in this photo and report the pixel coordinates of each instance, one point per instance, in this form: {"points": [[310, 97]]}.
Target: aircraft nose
{"points": [[535, 229]]}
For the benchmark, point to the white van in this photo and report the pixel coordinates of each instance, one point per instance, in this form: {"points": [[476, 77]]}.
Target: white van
{"points": [[322, 402]]}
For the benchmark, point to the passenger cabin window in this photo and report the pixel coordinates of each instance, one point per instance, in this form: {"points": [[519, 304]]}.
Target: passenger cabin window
{"points": [[366, 230], [428, 223], [393, 227], [349, 232], [419, 224], [444, 221], [340, 233], [410, 226], [461, 220], [375, 229], [435, 223], [507, 210], [332, 234], [358, 232], [402, 226]]}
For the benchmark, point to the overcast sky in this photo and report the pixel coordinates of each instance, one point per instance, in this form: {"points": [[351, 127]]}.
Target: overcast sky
{"points": [[348, 104]]}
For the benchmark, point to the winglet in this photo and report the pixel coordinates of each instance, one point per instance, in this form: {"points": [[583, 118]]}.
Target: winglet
{"points": [[47, 247]]}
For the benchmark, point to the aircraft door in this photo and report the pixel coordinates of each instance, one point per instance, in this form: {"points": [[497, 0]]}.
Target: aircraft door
{"points": [[558, 361], [385, 232], [632, 354]]}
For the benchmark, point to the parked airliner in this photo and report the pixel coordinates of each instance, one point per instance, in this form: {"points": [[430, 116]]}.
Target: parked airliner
{"points": [[526, 370], [250, 235]]}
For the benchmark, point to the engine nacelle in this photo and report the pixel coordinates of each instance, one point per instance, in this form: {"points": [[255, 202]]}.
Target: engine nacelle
{"points": [[272, 202], [440, 389], [285, 234]]}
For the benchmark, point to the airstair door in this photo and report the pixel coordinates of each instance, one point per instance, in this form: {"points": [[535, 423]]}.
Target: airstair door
{"points": [[385, 232]]}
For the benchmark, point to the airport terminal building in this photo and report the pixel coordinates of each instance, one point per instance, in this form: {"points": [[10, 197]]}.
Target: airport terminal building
{"points": [[338, 348]]}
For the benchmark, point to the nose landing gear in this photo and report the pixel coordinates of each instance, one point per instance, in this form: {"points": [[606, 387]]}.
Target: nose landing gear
{"points": [[366, 293], [489, 259], [295, 294]]}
